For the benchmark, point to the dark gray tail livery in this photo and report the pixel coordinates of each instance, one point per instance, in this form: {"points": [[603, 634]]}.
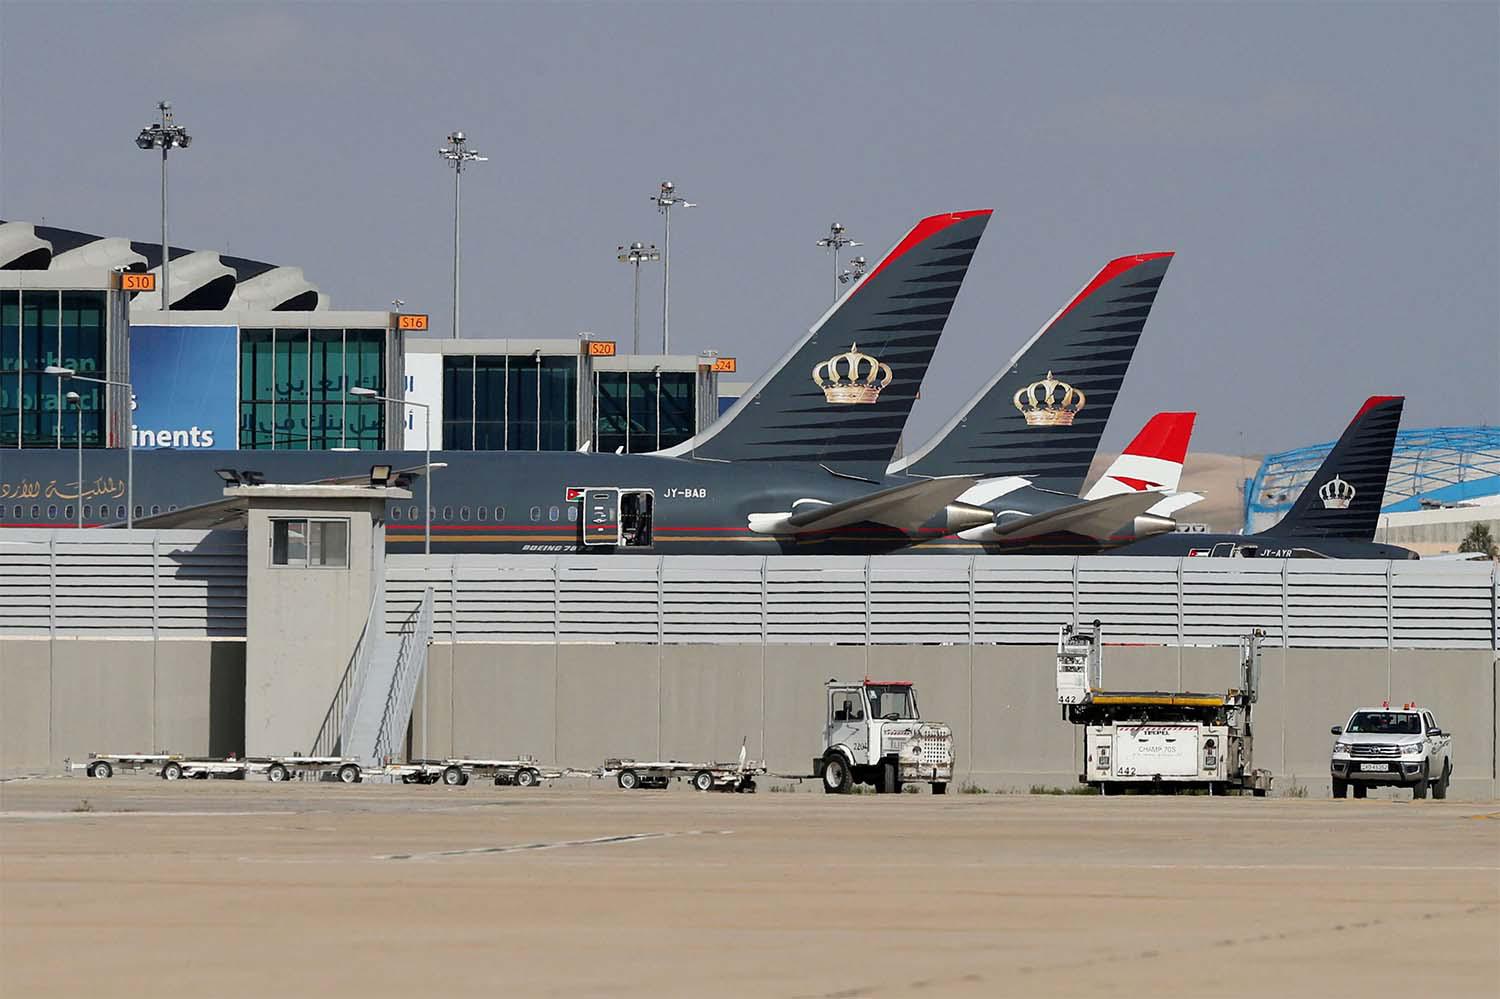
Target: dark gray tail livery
{"points": [[1344, 498], [1043, 414], [842, 394]]}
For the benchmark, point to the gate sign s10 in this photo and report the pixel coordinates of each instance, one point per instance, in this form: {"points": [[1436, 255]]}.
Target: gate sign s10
{"points": [[601, 517], [185, 392]]}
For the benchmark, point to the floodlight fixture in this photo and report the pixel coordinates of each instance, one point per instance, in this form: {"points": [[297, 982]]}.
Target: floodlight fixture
{"points": [[458, 154], [164, 134], [666, 199]]}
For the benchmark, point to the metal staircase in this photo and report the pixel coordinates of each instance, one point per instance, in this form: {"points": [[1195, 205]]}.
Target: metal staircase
{"points": [[371, 711]]}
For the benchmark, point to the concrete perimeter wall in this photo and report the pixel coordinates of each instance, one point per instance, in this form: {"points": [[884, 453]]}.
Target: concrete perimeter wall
{"points": [[575, 704], [66, 697]]}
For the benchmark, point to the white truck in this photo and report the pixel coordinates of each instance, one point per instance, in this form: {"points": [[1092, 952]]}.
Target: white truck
{"points": [[1160, 739], [1391, 747], [874, 735]]}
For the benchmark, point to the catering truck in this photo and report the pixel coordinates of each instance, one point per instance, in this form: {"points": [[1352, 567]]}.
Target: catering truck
{"points": [[1170, 740]]}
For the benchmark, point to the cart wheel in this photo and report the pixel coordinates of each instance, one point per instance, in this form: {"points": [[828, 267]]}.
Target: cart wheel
{"points": [[277, 773], [349, 773], [940, 787], [746, 786], [453, 776], [527, 778], [1258, 792], [629, 780], [172, 771], [102, 769], [703, 780]]}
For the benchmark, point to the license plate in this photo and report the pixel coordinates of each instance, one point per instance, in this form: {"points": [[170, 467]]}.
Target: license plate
{"points": [[1374, 767]]}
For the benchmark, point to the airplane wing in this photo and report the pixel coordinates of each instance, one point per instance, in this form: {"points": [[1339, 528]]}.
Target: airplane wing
{"points": [[227, 512], [905, 507], [1175, 502], [1098, 518]]}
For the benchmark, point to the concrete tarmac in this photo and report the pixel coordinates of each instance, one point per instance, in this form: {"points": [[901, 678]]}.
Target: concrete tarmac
{"points": [[134, 887]]}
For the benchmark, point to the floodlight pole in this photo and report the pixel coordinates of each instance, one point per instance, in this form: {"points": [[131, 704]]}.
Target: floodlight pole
{"points": [[457, 153], [666, 199], [637, 254], [836, 241], [164, 134]]}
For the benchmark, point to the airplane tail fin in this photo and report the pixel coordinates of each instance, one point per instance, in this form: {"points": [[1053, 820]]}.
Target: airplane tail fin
{"points": [[1043, 414], [841, 395], [1343, 499], [1152, 461]]}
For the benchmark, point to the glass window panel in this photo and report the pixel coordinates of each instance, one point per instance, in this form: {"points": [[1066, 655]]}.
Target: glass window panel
{"points": [[10, 361], [83, 331], [677, 406], [257, 389], [559, 377], [328, 543], [291, 389], [609, 403], [642, 412], [521, 402], [458, 403], [489, 403]]}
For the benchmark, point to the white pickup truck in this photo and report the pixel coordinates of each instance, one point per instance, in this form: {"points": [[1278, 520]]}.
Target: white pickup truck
{"points": [[1391, 747]]}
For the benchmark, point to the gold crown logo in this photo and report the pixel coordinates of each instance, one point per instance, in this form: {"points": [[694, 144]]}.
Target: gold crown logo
{"points": [[1049, 403], [852, 378], [1336, 494]]}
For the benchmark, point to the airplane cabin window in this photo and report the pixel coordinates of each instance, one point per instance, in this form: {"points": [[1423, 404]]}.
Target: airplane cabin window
{"points": [[395, 513], [52, 513], [552, 513], [481, 513], [120, 512], [36, 513], [499, 513], [536, 514], [463, 513], [447, 513], [572, 513], [411, 513], [88, 511], [139, 510], [155, 509], [68, 511]]}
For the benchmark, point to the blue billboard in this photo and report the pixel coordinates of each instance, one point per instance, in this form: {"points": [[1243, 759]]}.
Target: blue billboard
{"points": [[184, 382]]}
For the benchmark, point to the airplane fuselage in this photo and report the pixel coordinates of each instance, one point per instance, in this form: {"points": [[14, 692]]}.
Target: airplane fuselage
{"points": [[518, 502]]}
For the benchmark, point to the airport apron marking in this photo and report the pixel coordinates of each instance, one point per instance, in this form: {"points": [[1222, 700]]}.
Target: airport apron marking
{"points": [[528, 847]]}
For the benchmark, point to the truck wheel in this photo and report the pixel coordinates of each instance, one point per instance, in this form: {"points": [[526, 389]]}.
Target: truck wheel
{"points": [[628, 780], [349, 773], [277, 773], [1360, 790], [102, 770], [703, 780], [172, 771], [1419, 789], [837, 778], [888, 784], [940, 787], [453, 776], [1440, 786], [527, 778], [1340, 788]]}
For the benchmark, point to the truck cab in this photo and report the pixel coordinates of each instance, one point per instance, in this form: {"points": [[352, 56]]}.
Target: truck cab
{"points": [[1391, 747], [874, 734]]}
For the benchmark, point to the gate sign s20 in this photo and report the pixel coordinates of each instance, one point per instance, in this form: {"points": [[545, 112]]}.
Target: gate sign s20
{"points": [[184, 382]]}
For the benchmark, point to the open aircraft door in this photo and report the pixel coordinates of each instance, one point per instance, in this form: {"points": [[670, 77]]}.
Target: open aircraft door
{"points": [[616, 518]]}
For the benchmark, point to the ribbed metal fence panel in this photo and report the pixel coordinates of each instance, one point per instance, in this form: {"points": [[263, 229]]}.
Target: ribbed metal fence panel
{"points": [[816, 599], [1020, 602], [1434, 607], [949, 599], [1224, 599], [186, 584], [712, 600], [919, 600]]}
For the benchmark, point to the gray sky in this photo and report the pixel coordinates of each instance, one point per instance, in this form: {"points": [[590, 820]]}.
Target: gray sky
{"points": [[1328, 174]]}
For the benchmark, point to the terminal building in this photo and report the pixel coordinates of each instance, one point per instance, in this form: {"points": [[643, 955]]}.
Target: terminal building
{"points": [[251, 356]]}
